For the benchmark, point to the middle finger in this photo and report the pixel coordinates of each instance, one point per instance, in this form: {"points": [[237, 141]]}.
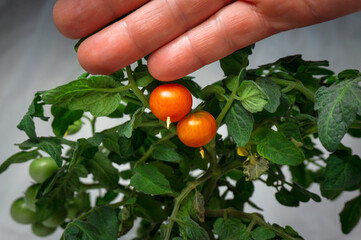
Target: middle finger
{"points": [[142, 32]]}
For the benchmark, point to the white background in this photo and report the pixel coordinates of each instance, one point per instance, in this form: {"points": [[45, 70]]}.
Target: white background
{"points": [[34, 56]]}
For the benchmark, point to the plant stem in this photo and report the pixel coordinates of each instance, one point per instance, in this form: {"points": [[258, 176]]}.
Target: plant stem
{"points": [[252, 216], [151, 148], [132, 100], [190, 186], [226, 108], [298, 86], [135, 88], [178, 201]]}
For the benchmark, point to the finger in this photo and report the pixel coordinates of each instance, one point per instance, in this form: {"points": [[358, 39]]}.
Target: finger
{"points": [[77, 19], [233, 27], [143, 31]]}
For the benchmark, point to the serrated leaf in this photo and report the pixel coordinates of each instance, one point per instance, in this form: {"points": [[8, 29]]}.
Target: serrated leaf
{"points": [[54, 192], [342, 171], [19, 157], [262, 233], [230, 229], [273, 92], [210, 90], [100, 225], [239, 124], [192, 230], [275, 147], [142, 76], [252, 96], [126, 129], [96, 94], [337, 107], [63, 118], [50, 145], [253, 169], [35, 110], [350, 215], [165, 153], [103, 170], [231, 83], [233, 63], [149, 180]]}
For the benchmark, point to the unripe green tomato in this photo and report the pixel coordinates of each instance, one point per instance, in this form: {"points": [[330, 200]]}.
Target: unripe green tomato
{"points": [[75, 127], [40, 230], [42, 168], [30, 195], [55, 220], [20, 212]]}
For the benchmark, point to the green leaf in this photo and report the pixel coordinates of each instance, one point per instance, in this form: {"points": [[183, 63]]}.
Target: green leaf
{"points": [[100, 225], [50, 145], [349, 73], [198, 204], [19, 157], [191, 230], [35, 110], [211, 90], [231, 83], [342, 171], [273, 92], [350, 215], [262, 233], [53, 193], [252, 96], [286, 198], [98, 95], [230, 229], [275, 147], [233, 63], [142, 76], [150, 208], [126, 129], [337, 107], [239, 124], [149, 180], [165, 153], [63, 118], [103, 170]]}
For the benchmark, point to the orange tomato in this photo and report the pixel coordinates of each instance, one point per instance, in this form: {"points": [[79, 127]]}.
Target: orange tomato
{"points": [[197, 129], [170, 102]]}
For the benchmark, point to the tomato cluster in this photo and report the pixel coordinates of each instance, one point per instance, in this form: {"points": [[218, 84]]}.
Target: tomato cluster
{"points": [[23, 209], [171, 103]]}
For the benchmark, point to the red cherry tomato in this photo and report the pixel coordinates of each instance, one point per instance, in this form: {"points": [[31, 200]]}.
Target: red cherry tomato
{"points": [[170, 102], [197, 129]]}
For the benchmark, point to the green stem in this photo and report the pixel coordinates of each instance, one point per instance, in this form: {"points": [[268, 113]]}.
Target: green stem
{"points": [[192, 185], [135, 88], [298, 86], [151, 148], [226, 108], [251, 216], [178, 201], [154, 123], [288, 88]]}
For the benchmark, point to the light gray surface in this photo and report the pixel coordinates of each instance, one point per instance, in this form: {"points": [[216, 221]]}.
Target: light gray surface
{"points": [[34, 56]]}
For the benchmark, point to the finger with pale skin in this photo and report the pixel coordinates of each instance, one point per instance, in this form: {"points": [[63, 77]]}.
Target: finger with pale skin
{"points": [[233, 27], [236, 26], [80, 18], [143, 31]]}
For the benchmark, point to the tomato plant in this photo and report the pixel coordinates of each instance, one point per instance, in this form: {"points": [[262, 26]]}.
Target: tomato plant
{"points": [[40, 230], [152, 178], [170, 102], [30, 195], [197, 129], [42, 168], [20, 212]]}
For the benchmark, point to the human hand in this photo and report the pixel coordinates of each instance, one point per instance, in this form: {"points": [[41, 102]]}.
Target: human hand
{"points": [[182, 35]]}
